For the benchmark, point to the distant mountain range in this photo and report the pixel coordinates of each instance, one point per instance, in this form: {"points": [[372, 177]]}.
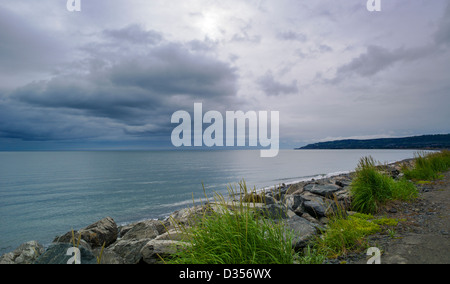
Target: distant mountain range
{"points": [[440, 141]]}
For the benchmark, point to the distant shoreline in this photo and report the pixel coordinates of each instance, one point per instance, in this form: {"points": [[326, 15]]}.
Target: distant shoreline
{"points": [[424, 142]]}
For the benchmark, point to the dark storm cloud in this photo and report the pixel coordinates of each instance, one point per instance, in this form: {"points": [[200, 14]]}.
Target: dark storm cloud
{"points": [[20, 121], [91, 95], [134, 94], [173, 70]]}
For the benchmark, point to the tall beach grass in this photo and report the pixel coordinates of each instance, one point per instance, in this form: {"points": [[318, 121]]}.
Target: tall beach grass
{"points": [[371, 188], [428, 166], [234, 233]]}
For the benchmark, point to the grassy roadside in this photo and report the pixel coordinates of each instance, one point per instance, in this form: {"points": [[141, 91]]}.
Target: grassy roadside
{"points": [[428, 166], [371, 189], [240, 236]]}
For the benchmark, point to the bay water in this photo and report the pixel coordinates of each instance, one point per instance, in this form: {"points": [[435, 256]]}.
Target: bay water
{"points": [[45, 194]]}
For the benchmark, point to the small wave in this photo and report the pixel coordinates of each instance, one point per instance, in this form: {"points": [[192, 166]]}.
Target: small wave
{"points": [[176, 204]]}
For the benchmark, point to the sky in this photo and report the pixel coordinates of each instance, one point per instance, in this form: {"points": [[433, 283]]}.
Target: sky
{"points": [[111, 75]]}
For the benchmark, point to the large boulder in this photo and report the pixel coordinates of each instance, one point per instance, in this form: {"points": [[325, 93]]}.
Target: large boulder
{"points": [[149, 229], [304, 231], [343, 181], [64, 253], [102, 232], [260, 197], [315, 207], [127, 251], [160, 226], [108, 257], [189, 216], [296, 188], [156, 251], [325, 190], [273, 211], [26, 253], [174, 235], [293, 202]]}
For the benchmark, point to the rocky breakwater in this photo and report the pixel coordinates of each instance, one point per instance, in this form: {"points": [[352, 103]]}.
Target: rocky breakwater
{"points": [[303, 207]]}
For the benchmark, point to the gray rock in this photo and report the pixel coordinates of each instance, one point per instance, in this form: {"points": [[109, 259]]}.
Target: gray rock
{"points": [[315, 208], [109, 257], [173, 235], [129, 251], [261, 197], [343, 181], [143, 230], [296, 189], [59, 254], [293, 202], [155, 251], [309, 218], [124, 229], [344, 195], [189, 216], [325, 190], [273, 211], [336, 209], [103, 231], [26, 253], [304, 231]]}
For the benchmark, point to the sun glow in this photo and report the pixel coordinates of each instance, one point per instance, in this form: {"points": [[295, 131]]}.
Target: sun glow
{"points": [[210, 24]]}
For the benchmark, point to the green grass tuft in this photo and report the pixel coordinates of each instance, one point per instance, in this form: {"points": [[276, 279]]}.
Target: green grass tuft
{"points": [[371, 188], [428, 166], [236, 236]]}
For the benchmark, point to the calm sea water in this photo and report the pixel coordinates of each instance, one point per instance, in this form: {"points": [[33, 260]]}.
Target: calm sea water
{"points": [[43, 194]]}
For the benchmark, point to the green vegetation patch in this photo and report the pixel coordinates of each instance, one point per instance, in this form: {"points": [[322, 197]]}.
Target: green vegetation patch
{"points": [[345, 235], [428, 166], [371, 188], [236, 236]]}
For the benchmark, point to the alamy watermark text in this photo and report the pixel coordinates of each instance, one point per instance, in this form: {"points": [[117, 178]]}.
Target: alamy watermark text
{"points": [[73, 5], [214, 135], [374, 5]]}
